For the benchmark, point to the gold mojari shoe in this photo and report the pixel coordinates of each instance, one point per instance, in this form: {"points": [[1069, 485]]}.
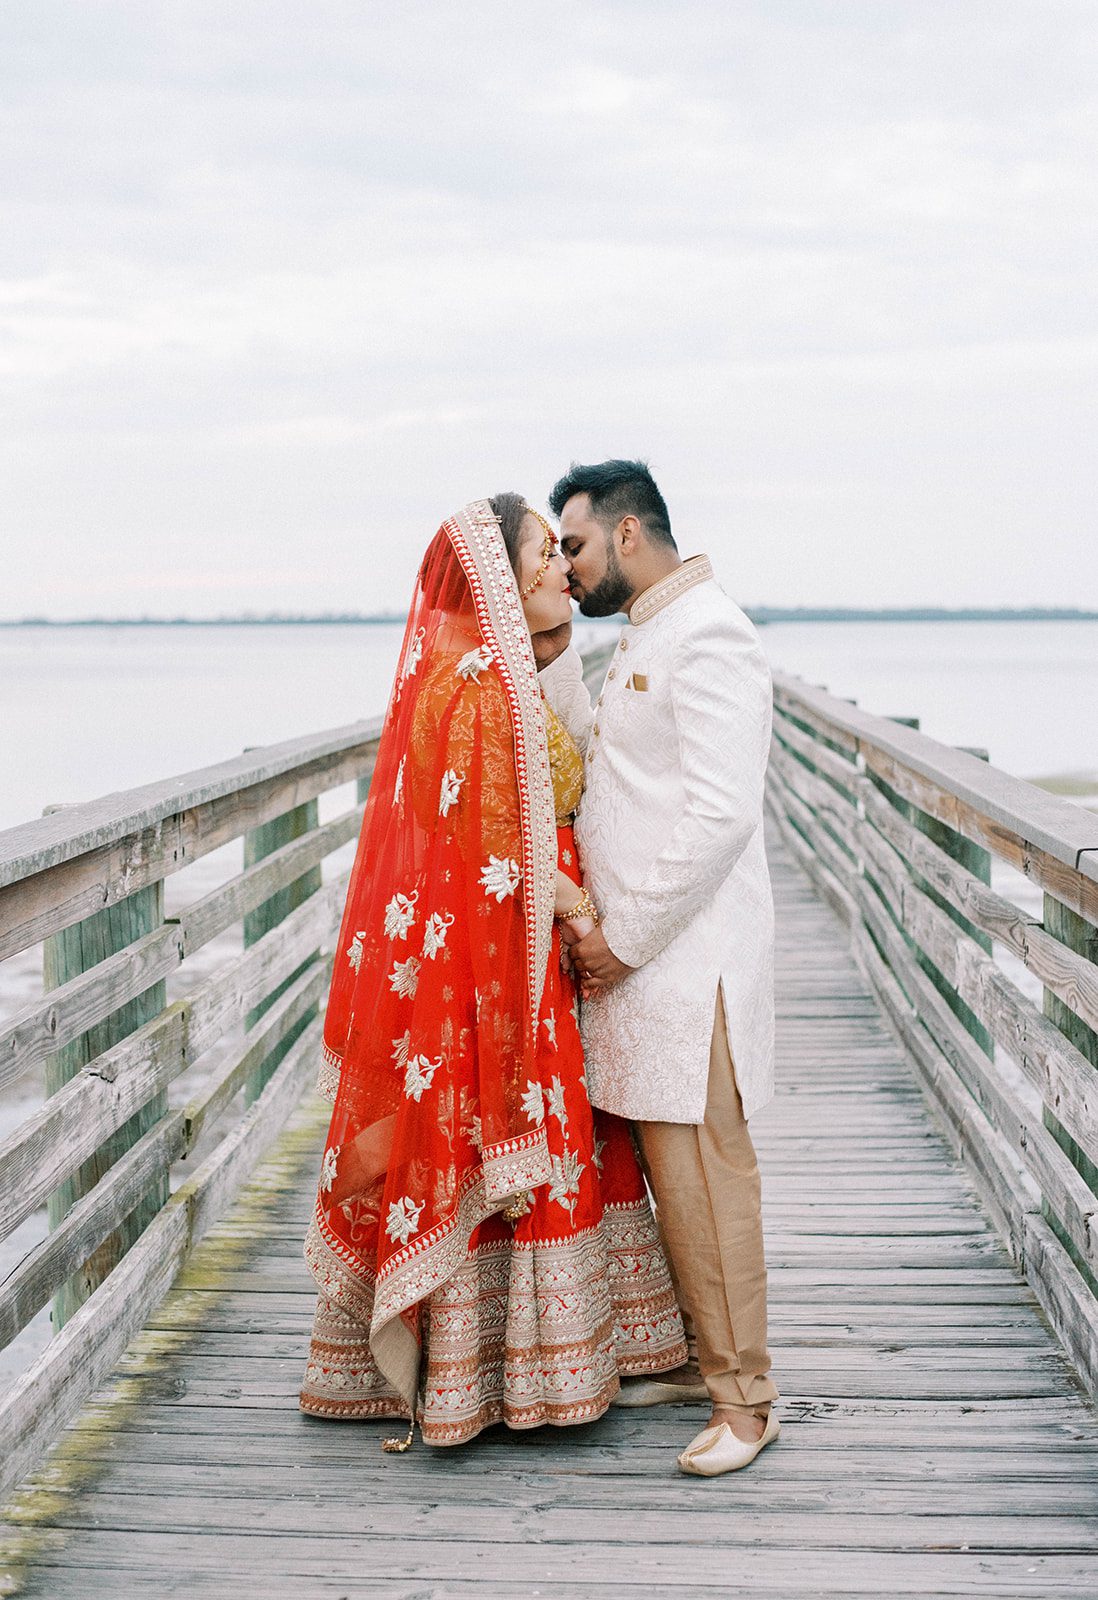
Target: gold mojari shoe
{"points": [[717, 1450]]}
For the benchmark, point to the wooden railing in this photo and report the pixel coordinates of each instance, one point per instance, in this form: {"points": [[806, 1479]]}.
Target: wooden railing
{"points": [[898, 832], [88, 881]]}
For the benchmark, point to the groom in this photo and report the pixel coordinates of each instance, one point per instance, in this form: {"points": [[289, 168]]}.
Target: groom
{"points": [[678, 1019]]}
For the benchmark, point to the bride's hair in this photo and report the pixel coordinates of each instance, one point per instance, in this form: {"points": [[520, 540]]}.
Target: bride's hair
{"points": [[509, 510]]}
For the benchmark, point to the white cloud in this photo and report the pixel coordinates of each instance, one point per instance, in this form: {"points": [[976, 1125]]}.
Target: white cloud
{"points": [[273, 283]]}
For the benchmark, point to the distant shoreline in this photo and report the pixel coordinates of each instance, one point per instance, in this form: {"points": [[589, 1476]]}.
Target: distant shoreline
{"points": [[758, 614]]}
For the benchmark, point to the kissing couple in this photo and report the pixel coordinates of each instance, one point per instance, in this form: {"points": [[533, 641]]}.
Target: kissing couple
{"points": [[552, 1003]]}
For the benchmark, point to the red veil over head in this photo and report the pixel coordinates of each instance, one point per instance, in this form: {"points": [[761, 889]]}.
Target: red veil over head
{"points": [[430, 1033]]}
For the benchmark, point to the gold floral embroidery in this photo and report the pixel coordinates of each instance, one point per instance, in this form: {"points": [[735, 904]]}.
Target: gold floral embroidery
{"points": [[565, 766]]}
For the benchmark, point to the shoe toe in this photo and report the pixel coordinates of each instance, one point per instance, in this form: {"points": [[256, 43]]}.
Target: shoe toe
{"points": [[717, 1450]]}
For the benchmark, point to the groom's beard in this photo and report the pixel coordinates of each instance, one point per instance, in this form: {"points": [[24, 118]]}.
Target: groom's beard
{"points": [[610, 595]]}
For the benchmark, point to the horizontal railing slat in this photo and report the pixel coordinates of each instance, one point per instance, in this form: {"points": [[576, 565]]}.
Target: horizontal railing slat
{"points": [[34, 847], [104, 1094], [791, 700], [75, 1121], [306, 991], [46, 1025], [32, 907], [1062, 1076], [28, 1287], [1020, 1125], [1044, 868], [1071, 977], [1048, 823], [54, 1388], [838, 768], [918, 918]]}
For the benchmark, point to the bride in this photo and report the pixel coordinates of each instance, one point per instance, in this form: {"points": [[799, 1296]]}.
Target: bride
{"points": [[482, 1242]]}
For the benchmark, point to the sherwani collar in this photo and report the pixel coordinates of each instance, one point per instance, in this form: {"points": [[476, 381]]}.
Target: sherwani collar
{"points": [[693, 571]]}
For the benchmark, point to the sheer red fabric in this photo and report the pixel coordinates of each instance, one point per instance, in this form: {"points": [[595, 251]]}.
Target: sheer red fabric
{"points": [[433, 1011], [454, 1091]]}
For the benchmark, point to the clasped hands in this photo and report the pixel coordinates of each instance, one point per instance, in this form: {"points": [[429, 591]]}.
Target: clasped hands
{"points": [[585, 952]]}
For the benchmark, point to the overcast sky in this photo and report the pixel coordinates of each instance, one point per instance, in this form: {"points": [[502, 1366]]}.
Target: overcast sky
{"points": [[281, 285]]}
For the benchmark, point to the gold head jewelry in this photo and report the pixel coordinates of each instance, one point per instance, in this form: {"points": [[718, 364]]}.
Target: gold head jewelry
{"points": [[546, 553]]}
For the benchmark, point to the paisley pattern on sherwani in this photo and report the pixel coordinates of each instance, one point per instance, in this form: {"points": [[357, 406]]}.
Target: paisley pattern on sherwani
{"points": [[670, 832], [482, 1243]]}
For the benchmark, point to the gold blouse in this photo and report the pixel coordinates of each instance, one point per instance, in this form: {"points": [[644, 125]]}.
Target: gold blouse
{"points": [[566, 766]]}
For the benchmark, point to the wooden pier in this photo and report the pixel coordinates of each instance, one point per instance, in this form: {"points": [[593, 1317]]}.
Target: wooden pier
{"points": [[928, 1172]]}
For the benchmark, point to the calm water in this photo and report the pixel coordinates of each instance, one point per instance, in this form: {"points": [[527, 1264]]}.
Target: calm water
{"points": [[88, 710]]}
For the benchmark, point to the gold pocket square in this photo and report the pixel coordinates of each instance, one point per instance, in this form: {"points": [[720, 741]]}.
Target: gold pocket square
{"points": [[639, 680]]}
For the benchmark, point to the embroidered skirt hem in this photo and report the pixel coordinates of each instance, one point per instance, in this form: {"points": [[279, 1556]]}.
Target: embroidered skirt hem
{"points": [[525, 1332]]}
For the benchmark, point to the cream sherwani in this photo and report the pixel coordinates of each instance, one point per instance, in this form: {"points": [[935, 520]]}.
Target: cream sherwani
{"points": [[670, 834], [671, 842]]}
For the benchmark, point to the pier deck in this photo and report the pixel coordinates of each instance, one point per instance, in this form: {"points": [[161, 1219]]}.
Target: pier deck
{"points": [[935, 1441]]}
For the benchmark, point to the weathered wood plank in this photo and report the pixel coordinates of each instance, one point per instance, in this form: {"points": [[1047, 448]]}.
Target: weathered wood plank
{"points": [[841, 770], [40, 898], [933, 1442], [63, 1132], [53, 1389], [1072, 977], [29, 1285], [70, 1009], [66, 954], [35, 847], [110, 1089], [953, 786], [1061, 1074], [691, 1525], [259, 843], [1051, 1064], [791, 705], [295, 1005], [862, 1567]]}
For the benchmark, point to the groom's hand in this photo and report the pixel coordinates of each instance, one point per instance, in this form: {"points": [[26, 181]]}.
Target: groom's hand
{"points": [[548, 646], [594, 960]]}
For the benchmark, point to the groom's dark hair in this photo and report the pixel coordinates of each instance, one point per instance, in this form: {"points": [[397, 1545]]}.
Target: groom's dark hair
{"points": [[617, 489]]}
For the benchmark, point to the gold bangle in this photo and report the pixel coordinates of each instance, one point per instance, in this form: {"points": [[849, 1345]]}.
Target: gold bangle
{"points": [[584, 907]]}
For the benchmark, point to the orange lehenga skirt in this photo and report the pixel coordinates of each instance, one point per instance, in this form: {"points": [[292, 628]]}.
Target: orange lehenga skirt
{"points": [[545, 1313]]}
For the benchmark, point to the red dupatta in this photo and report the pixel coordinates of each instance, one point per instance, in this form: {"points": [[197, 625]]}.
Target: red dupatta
{"points": [[430, 1032]]}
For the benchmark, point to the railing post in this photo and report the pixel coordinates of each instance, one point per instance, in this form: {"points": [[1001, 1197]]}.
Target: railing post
{"points": [[1074, 933], [977, 860], [66, 954], [260, 842]]}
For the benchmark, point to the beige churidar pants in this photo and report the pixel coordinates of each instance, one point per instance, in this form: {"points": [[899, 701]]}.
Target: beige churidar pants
{"points": [[705, 1182]]}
